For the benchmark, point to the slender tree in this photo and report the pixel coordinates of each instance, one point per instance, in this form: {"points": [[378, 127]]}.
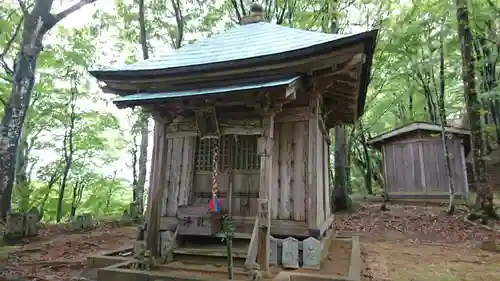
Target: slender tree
{"points": [[37, 22], [484, 199], [143, 121]]}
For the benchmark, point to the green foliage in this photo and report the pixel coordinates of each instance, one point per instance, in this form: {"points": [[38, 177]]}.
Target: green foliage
{"points": [[407, 50]]}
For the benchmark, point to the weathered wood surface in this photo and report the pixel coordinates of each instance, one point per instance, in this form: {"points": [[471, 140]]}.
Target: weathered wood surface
{"points": [[245, 190], [417, 168], [300, 189], [198, 220], [289, 182], [245, 225], [179, 171], [315, 168], [252, 247], [267, 169]]}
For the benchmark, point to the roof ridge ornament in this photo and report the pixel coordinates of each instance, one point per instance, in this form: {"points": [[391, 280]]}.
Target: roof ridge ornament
{"points": [[256, 14]]}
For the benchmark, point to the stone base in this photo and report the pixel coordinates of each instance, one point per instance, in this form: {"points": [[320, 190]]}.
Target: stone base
{"points": [[122, 271]]}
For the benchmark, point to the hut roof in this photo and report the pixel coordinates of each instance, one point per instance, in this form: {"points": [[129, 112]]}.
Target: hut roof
{"points": [[259, 40], [401, 131]]}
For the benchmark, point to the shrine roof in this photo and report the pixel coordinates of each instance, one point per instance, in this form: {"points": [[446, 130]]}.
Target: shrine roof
{"points": [[135, 99], [249, 41]]}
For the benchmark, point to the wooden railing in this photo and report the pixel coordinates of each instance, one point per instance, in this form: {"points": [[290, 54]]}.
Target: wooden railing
{"points": [[252, 247]]}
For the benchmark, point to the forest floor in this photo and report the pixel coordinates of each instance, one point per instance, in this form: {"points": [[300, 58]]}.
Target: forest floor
{"points": [[406, 243], [417, 243], [59, 254]]}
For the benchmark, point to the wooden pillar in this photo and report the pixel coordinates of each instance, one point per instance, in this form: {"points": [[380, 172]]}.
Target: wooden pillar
{"points": [[312, 161], [266, 171], [156, 188], [152, 176]]}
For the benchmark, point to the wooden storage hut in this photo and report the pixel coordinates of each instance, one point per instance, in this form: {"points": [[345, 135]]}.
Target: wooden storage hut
{"points": [[263, 95], [415, 164]]}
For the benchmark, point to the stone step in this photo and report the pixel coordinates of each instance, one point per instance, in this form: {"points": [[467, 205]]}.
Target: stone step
{"points": [[211, 251]]}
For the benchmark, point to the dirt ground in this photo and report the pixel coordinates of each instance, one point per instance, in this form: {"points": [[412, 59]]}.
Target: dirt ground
{"points": [[59, 254], [417, 243], [407, 243]]}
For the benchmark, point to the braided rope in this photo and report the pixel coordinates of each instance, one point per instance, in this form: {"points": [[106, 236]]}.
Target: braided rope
{"points": [[215, 165]]}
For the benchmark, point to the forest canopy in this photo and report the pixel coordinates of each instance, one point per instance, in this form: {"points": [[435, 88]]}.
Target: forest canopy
{"points": [[73, 151]]}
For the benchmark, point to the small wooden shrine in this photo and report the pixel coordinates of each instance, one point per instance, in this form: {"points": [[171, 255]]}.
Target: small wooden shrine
{"points": [[245, 116], [415, 165]]}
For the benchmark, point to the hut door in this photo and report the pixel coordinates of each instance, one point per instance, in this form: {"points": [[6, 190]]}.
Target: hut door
{"points": [[244, 174], [237, 157]]}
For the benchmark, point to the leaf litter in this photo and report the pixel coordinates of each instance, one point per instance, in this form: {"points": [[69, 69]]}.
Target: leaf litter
{"points": [[59, 253], [417, 243], [406, 243]]}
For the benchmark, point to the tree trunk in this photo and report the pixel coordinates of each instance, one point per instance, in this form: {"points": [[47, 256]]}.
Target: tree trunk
{"points": [[77, 196], [73, 205], [341, 198], [52, 181], [143, 121], [36, 24], [22, 184], [368, 173], [13, 120], [68, 149], [442, 119], [143, 158], [485, 195]]}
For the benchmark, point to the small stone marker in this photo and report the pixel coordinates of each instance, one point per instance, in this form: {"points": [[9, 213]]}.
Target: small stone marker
{"points": [[138, 247], [15, 225], [126, 219], [87, 221], [290, 256], [31, 222], [311, 253], [273, 251], [166, 239]]}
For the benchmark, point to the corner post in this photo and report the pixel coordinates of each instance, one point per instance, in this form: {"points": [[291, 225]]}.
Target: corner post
{"points": [[157, 179], [266, 171], [157, 185], [312, 167]]}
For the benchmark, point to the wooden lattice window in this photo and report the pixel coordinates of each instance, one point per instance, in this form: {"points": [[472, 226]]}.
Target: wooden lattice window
{"points": [[238, 152]]}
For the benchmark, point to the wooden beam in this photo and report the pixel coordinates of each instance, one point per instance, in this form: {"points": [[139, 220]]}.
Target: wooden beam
{"points": [[342, 67], [153, 228], [264, 227], [154, 163], [265, 194], [223, 131], [252, 247], [311, 194], [357, 59], [323, 227]]}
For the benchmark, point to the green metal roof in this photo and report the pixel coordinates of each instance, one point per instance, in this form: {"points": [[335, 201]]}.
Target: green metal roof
{"points": [[240, 43], [137, 98]]}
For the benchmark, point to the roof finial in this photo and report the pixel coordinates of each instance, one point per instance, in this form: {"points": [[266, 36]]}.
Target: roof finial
{"points": [[256, 14]]}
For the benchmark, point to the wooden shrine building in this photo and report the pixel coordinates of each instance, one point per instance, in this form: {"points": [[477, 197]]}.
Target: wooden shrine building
{"points": [[265, 96], [415, 165]]}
